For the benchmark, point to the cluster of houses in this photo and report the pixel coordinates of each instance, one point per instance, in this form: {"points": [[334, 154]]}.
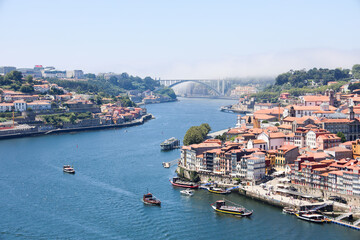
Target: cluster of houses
{"points": [[314, 140], [115, 114], [40, 71], [20, 102], [147, 97]]}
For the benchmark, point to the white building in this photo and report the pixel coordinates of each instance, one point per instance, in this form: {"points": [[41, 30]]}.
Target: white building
{"points": [[6, 107], [39, 105], [256, 166], [310, 139], [78, 74], [20, 105]]}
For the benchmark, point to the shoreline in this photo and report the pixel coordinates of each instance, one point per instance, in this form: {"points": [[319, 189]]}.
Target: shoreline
{"points": [[135, 122]]}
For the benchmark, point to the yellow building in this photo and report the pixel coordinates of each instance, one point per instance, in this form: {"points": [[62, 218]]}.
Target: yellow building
{"points": [[356, 148], [271, 155], [285, 155]]}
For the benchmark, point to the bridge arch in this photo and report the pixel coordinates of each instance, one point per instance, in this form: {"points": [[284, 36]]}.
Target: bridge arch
{"points": [[194, 81]]}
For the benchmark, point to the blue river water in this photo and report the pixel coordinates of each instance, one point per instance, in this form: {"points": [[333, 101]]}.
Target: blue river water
{"points": [[114, 168]]}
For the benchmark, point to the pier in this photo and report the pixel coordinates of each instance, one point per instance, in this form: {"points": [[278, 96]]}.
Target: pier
{"points": [[171, 163]]}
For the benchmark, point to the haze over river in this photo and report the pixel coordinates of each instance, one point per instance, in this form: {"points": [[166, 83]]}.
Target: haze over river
{"points": [[114, 168]]}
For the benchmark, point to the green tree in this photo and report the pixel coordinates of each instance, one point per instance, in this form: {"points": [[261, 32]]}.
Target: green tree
{"points": [[222, 137], [356, 71], [342, 136], [90, 75], [14, 75], [29, 79], [196, 134], [26, 89], [193, 136]]}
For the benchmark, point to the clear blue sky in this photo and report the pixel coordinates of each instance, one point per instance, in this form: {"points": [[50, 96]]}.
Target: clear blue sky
{"points": [[180, 39]]}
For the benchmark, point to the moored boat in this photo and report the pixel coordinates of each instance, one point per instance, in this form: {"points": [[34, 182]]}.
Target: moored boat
{"points": [[289, 210], [313, 217], [222, 207], [177, 182], [150, 199], [218, 190], [170, 144], [187, 192], [68, 169]]}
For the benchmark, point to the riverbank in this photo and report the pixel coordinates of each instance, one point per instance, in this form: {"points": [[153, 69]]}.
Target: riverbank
{"points": [[135, 122]]}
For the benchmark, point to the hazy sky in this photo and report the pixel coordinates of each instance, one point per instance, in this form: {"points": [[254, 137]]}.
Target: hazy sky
{"points": [[180, 39]]}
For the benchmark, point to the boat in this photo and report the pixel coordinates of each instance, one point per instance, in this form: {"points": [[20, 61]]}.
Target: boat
{"points": [[222, 207], [177, 182], [289, 210], [187, 192], [68, 169], [150, 199], [313, 217], [170, 144], [218, 190]]}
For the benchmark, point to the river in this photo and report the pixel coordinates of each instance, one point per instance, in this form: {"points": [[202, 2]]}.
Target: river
{"points": [[114, 167]]}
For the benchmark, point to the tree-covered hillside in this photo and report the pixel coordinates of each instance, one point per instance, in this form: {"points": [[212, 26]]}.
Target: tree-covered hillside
{"points": [[112, 86], [299, 82]]}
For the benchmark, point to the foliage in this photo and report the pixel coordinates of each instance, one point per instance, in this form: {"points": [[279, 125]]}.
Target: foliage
{"points": [[113, 86], [356, 71], [126, 102], [194, 177], [14, 75], [222, 137], [90, 75], [56, 91], [181, 172], [265, 121], [169, 92], [354, 86], [300, 82], [14, 81], [277, 124], [6, 115], [26, 88], [196, 134], [29, 79], [342, 136], [58, 119], [301, 78]]}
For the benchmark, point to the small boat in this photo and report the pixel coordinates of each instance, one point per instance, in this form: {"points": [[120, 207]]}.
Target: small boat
{"points": [[187, 192], [150, 199], [177, 182], [289, 210], [218, 190], [220, 206], [313, 217], [68, 169]]}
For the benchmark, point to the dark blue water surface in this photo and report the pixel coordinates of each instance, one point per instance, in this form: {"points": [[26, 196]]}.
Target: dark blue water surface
{"points": [[113, 169]]}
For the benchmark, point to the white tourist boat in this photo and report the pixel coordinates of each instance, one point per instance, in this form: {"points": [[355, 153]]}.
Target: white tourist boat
{"points": [[313, 217]]}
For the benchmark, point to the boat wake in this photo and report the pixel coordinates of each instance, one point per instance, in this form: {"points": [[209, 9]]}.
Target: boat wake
{"points": [[105, 186]]}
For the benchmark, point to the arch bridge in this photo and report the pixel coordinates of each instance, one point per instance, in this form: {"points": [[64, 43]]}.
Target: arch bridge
{"points": [[217, 86]]}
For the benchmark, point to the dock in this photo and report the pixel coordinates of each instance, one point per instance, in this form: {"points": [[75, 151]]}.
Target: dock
{"points": [[171, 163], [345, 224]]}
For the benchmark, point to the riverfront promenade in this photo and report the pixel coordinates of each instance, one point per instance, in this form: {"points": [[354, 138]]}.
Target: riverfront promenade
{"points": [[135, 122]]}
